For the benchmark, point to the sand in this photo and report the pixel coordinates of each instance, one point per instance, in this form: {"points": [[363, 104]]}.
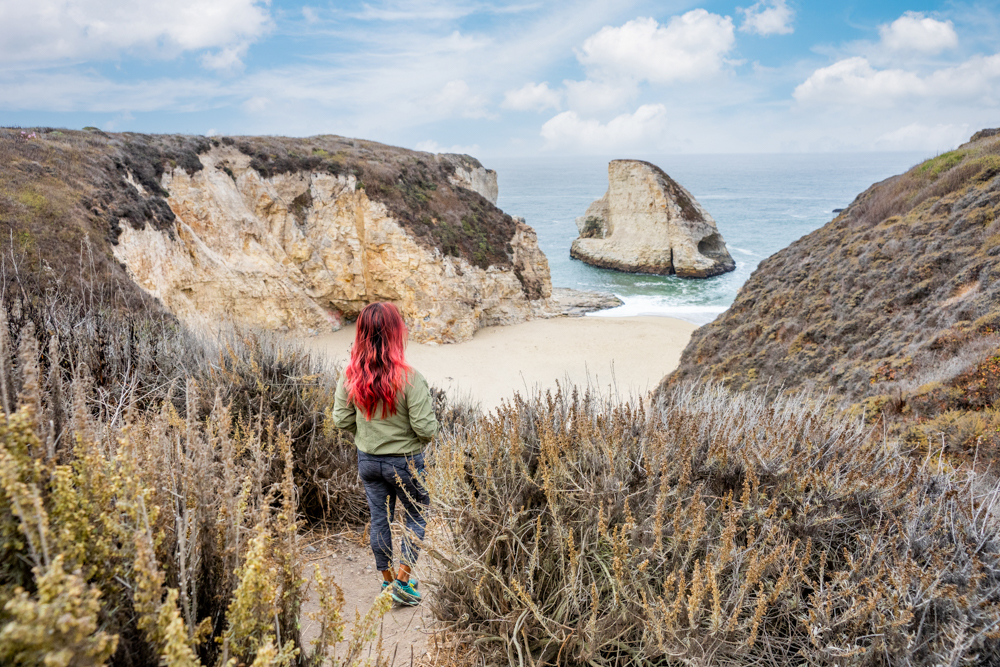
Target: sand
{"points": [[629, 355]]}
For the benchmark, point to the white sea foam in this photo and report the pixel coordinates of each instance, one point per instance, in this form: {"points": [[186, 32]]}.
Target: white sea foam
{"points": [[745, 252], [659, 306]]}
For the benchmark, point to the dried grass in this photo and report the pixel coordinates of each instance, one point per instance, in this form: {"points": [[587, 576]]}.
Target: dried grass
{"points": [[152, 487], [709, 529]]}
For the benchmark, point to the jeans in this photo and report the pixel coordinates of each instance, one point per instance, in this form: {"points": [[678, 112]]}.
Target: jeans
{"points": [[387, 478]]}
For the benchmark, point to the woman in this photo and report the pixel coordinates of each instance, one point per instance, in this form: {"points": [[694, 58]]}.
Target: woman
{"points": [[397, 420]]}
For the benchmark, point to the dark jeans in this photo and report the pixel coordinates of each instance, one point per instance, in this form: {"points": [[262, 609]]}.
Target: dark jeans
{"points": [[385, 479]]}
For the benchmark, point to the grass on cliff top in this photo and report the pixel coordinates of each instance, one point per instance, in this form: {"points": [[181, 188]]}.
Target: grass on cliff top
{"points": [[894, 305]]}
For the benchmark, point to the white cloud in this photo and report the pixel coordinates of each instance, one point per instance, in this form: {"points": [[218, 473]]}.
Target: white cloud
{"points": [[914, 32], [310, 14], [532, 97], [768, 17], [689, 47], [257, 104], [641, 130], [917, 136], [600, 96], [56, 30], [229, 59], [854, 82], [457, 99], [432, 146]]}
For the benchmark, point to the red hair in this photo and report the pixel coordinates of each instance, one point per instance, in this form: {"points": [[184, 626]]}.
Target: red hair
{"points": [[377, 369]]}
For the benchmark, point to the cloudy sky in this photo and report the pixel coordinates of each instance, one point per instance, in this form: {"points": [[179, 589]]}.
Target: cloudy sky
{"points": [[513, 78]]}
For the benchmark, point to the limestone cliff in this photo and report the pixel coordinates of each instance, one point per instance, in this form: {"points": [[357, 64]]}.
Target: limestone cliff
{"points": [[471, 174], [294, 248], [893, 305], [647, 223]]}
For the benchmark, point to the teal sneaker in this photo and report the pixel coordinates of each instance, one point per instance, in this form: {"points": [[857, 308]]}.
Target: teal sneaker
{"points": [[413, 582], [405, 593]]}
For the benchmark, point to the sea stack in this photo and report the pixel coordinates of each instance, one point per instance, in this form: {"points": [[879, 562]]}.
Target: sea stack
{"points": [[647, 223]]}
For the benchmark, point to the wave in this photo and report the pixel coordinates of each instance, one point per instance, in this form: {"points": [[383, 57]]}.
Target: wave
{"points": [[658, 306]]}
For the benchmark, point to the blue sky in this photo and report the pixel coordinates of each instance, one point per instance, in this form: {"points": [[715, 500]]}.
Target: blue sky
{"points": [[513, 78]]}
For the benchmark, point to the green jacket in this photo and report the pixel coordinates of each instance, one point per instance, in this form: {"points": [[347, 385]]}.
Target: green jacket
{"points": [[405, 432]]}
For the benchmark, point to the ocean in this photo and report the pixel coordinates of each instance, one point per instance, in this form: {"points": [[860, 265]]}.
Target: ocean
{"points": [[761, 203]]}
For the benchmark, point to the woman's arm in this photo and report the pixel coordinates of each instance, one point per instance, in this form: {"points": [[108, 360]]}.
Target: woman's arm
{"points": [[421, 409], [344, 414]]}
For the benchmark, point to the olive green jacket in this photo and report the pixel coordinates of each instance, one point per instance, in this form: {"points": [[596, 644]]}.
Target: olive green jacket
{"points": [[405, 432]]}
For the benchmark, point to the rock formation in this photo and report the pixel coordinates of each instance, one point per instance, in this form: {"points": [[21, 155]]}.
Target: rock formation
{"points": [[469, 173], [647, 223], [301, 251]]}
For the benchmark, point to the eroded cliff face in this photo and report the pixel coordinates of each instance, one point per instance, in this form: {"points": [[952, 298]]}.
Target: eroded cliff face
{"points": [[648, 223], [469, 173], [303, 251]]}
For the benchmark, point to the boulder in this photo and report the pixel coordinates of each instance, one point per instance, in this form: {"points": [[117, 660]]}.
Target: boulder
{"points": [[648, 223]]}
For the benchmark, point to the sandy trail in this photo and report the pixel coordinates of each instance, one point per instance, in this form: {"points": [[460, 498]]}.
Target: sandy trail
{"points": [[630, 353], [405, 630]]}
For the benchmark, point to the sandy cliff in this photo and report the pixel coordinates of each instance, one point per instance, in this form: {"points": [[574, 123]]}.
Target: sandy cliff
{"points": [[302, 249], [647, 223]]}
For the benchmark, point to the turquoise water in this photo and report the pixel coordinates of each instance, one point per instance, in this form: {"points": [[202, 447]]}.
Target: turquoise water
{"points": [[761, 203]]}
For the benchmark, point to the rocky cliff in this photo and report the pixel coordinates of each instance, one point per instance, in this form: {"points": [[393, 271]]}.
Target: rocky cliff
{"points": [[647, 223], [894, 305], [470, 173], [297, 234]]}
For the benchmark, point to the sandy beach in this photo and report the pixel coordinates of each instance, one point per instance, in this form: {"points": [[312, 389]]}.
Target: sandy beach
{"points": [[631, 354]]}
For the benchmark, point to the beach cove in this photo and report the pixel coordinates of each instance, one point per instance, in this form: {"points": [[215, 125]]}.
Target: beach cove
{"points": [[629, 355]]}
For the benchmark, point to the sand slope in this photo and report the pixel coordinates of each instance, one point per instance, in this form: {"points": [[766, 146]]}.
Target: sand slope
{"points": [[631, 353]]}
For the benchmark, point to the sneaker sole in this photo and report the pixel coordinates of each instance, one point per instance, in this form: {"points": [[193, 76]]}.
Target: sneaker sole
{"points": [[407, 600]]}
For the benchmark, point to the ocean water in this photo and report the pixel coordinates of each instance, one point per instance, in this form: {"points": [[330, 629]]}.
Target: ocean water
{"points": [[761, 203]]}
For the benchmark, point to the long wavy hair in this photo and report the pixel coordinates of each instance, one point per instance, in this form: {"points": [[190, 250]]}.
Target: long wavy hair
{"points": [[378, 368]]}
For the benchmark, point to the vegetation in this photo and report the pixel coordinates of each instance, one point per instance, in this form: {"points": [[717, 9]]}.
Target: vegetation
{"points": [[708, 529], [152, 484], [894, 306]]}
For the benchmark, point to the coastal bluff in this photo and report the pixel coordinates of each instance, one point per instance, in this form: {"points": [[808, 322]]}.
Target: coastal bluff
{"points": [[301, 249], [294, 235], [646, 222], [894, 306]]}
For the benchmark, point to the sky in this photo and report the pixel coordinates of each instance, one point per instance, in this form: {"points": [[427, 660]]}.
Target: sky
{"points": [[518, 78]]}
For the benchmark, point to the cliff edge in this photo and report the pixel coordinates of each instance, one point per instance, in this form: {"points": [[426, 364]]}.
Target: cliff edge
{"points": [[291, 235], [894, 305], [647, 223]]}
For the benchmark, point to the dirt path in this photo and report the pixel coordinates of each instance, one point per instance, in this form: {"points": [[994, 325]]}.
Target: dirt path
{"points": [[340, 555]]}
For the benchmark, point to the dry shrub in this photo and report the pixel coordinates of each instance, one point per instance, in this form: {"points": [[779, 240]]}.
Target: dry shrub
{"points": [[136, 361], [710, 529], [151, 536]]}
